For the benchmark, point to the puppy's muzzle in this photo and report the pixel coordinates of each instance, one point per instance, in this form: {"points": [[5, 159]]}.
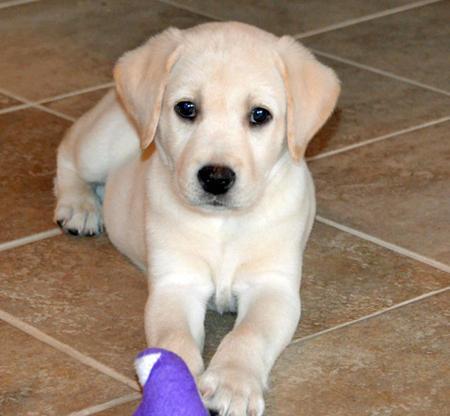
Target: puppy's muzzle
{"points": [[216, 179]]}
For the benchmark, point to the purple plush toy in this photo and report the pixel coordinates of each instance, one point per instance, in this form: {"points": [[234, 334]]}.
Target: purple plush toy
{"points": [[168, 386]]}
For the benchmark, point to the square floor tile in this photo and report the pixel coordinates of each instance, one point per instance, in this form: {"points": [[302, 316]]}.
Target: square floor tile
{"points": [[37, 380], [412, 44], [373, 105], [52, 47], [81, 291], [29, 139], [289, 16], [394, 364], [397, 190]]}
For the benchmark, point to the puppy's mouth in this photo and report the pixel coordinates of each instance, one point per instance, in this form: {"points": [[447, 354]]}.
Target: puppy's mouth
{"points": [[207, 202], [216, 203]]}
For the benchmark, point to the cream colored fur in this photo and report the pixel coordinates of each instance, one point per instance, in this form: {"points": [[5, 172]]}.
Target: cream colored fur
{"points": [[245, 256]]}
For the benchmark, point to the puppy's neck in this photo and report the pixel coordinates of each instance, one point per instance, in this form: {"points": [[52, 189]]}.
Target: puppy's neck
{"points": [[280, 167]]}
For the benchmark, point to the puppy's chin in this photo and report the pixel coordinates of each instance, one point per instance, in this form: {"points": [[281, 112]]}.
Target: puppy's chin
{"points": [[211, 204]]}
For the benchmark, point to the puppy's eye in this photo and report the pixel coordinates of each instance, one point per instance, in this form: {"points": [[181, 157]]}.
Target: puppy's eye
{"points": [[186, 109], [259, 116]]}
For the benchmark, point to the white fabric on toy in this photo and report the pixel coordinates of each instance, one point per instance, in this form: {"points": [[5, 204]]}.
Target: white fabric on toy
{"points": [[144, 366]]}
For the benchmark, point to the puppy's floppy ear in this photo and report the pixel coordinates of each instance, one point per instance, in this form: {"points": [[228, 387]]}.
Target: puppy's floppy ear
{"points": [[312, 90], [141, 76]]}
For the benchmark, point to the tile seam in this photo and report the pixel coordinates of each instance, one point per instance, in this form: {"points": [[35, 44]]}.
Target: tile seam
{"points": [[66, 349], [379, 138], [36, 105], [13, 108], [345, 23], [54, 112], [370, 316], [379, 71], [15, 96], [385, 244], [324, 29], [190, 9], [19, 242], [14, 3], [92, 410], [75, 93], [366, 18]]}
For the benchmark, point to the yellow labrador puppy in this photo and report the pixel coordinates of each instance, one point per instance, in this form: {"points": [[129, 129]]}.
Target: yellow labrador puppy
{"points": [[218, 214]]}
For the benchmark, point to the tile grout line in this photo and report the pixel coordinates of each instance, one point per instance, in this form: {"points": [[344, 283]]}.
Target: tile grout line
{"points": [[13, 3], [8, 245], [66, 349], [36, 105], [54, 112], [379, 71], [13, 108], [390, 246], [346, 23], [325, 29], [190, 9], [370, 316], [76, 92], [378, 139], [106, 405], [368, 17]]}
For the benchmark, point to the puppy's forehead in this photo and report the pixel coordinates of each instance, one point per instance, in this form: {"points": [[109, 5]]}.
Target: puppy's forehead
{"points": [[224, 64]]}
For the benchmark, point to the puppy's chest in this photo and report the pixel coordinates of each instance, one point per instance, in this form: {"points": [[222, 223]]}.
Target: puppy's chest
{"points": [[223, 276], [226, 253]]}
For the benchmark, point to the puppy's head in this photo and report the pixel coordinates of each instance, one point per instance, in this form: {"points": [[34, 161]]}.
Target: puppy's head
{"points": [[224, 102]]}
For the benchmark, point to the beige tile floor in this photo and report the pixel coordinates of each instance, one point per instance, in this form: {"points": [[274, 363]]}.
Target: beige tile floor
{"points": [[374, 335]]}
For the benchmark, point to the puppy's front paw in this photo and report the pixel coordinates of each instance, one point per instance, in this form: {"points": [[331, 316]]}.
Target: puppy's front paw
{"points": [[232, 391], [79, 215]]}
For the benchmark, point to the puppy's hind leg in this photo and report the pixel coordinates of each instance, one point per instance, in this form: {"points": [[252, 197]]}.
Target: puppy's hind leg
{"points": [[97, 143], [78, 209]]}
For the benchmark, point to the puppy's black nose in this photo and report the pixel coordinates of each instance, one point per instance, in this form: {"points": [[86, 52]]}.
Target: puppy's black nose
{"points": [[216, 180]]}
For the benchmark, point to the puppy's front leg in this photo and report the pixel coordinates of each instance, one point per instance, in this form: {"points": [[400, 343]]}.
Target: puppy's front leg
{"points": [[234, 382], [174, 320]]}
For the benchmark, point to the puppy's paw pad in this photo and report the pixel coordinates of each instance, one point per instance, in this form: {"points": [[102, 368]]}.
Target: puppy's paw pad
{"points": [[232, 392]]}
